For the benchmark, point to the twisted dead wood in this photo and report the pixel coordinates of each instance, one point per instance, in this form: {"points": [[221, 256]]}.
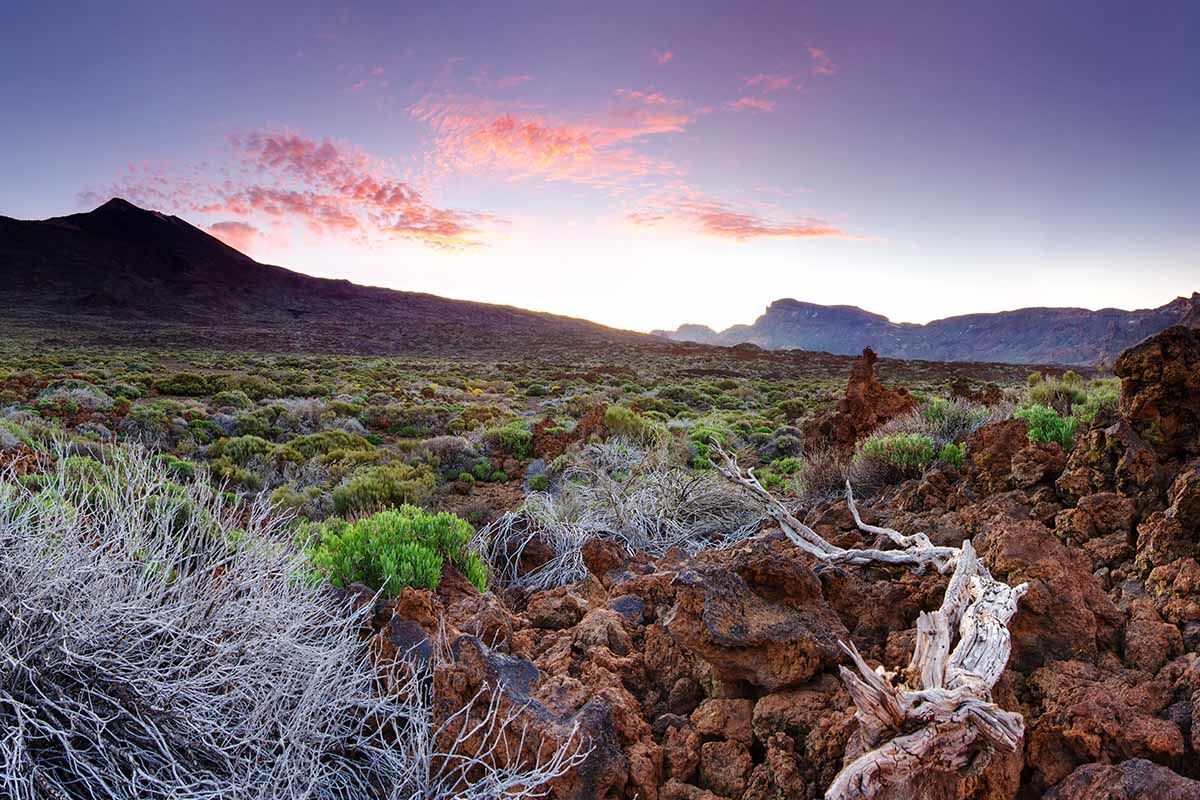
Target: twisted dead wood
{"points": [[937, 713]]}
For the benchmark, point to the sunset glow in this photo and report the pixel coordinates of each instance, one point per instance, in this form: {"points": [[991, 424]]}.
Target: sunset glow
{"points": [[639, 167]]}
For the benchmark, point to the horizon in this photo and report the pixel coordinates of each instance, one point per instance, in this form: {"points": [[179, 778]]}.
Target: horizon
{"points": [[640, 168]]}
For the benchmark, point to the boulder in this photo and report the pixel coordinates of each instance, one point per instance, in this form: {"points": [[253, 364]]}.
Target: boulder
{"points": [[1135, 779], [755, 614], [1085, 714], [1160, 391], [1112, 459], [1065, 614], [990, 453]]}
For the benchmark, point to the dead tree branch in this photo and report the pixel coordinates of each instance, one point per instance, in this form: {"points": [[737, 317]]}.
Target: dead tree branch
{"points": [[936, 714]]}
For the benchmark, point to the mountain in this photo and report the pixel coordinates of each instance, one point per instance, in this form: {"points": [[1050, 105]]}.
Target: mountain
{"points": [[1027, 336], [130, 272]]}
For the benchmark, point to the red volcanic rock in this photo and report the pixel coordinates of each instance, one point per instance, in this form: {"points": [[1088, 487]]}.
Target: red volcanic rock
{"points": [[1174, 533], [1160, 391], [1086, 715], [727, 718], [724, 767], [990, 453], [1136, 779], [1035, 463], [1150, 642], [1175, 588], [867, 405], [1065, 614], [555, 609], [1102, 525], [780, 775], [755, 615], [1111, 459]]}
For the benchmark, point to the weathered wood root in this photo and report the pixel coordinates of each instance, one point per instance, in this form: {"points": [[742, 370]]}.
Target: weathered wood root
{"points": [[937, 713]]}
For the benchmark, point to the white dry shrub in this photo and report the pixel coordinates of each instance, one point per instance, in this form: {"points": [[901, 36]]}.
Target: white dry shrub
{"points": [[155, 643], [945, 421], [620, 492]]}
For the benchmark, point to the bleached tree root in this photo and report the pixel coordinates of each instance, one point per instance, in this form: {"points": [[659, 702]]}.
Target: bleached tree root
{"points": [[937, 713]]}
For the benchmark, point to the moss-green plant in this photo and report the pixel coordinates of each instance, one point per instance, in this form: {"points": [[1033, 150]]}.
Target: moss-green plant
{"points": [[907, 453], [622, 421], [953, 454], [1046, 425], [396, 549], [383, 486], [514, 439]]}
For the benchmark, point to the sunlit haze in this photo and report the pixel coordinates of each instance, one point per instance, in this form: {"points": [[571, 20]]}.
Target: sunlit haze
{"points": [[641, 165]]}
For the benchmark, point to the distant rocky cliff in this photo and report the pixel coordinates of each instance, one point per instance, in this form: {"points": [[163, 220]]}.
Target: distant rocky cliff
{"points": [[1024, 336]]}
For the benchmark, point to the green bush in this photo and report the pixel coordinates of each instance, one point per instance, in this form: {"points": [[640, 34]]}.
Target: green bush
{"points": [[539, 483], [395, 549], [514, 439], [1057, 394], [183, 384], [1102, 393], [234, 398], [622, 421], [1045, 425], [904, 455], [953, 454], [379, 487]]}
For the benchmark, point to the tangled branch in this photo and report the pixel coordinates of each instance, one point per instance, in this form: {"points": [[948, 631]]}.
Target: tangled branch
{"points": [[937, 713], [156, 643]]}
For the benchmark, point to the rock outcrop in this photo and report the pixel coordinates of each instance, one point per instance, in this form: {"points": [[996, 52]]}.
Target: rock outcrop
{"points": [[867, 405]]}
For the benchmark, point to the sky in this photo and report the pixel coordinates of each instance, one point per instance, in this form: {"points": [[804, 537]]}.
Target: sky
{"points": [[639, 164]]}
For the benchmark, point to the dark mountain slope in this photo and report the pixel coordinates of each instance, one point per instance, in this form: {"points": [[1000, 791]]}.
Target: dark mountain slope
{"points": [[1025, 336], [146, 270]]}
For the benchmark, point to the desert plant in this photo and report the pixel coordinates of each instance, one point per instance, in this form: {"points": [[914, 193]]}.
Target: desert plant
{"points": [[623, 423], [395, 549], [512, 439], [619, 492], [168, 663], [379, 487], [884, 459], [1046, 425], [952, 454]]}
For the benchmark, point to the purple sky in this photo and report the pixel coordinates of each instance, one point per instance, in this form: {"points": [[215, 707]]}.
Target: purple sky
{"points": [[638, 164]]}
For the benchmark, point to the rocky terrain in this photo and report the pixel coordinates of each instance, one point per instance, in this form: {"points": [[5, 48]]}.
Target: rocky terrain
{"points": [[716, 675], [1025, 336]]}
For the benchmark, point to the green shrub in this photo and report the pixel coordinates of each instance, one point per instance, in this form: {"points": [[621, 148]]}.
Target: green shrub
{"points": [[1045, 425], [622, 421], [255, 387], [395, 549], [234, 398], [539, 483], [880, 459], [953, 454], [1034, 379], [326, 442], [514, 439], [1056, 394], [1102, 393], [383, 486], [183, 384]]}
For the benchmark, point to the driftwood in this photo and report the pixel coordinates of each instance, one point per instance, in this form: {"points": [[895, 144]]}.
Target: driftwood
{"points": [[937, 714]]}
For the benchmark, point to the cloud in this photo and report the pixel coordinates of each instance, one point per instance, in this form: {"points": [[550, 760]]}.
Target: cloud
{"points": [[719, 219], [663, 56], [752, 104], [475, 136], [509, 81], [766, 82], [235, 233], [822, 65], [328, 187]]}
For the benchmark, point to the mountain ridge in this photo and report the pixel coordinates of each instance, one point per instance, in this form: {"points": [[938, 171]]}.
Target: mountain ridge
{"points": [[1034, 335], [141, 267]]}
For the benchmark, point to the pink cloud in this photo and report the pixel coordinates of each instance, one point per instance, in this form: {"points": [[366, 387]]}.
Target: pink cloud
{"points": [[663, 56], [510, 81], [767, 82], [238, 235], [325, 186], [752, 104], [478, 136], [719, 219], [822, 65]]}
